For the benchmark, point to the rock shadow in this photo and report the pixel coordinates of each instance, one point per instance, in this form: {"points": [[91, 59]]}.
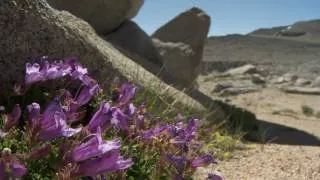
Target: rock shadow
{"points": [[259, 131]]}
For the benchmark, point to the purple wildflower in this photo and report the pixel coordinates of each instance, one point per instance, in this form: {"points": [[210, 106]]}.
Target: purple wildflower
{"points": [[109, 162], [57, 127], [13, 117], [183, 135], [154, 132], [2, 170], [178, 162], [213, 176], [139, 121], [33, 73], [79, 71], [50, 110], [131, 109], [56, 70], [202, 161], [119, 119], [127, 91], [33, 110], [94, 147], [52, 123], [17, 169], [46, 71], [101, 118], [75, 116], [85, 96], [40, 152]]}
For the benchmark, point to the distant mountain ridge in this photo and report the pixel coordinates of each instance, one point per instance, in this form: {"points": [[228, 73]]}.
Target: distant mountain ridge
{"points": [[301, 30], [290, 48]]}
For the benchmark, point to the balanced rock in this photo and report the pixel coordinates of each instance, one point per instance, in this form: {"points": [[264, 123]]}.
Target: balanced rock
{"points": [[131, 40], [103, 15], [181, 42]]}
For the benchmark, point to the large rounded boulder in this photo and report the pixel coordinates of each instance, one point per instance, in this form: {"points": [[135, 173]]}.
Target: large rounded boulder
{"points": [[103, 15]]}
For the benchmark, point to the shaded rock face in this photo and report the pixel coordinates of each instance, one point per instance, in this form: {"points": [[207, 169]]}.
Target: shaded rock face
{"points": [[181, 43], [131, 40], [103, 15]]}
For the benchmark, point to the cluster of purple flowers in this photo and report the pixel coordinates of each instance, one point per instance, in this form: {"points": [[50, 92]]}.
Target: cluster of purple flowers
{"points": [[93, 155], [181, 141]]}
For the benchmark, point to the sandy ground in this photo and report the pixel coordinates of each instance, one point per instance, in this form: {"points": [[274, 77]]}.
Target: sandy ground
{"points": [[294, 158]]}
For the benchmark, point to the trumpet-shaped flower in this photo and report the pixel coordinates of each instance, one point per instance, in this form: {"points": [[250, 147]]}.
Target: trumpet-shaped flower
{"points": [[46, 71], [94, 147], [213, 176], [202, 161], [13, 117], [119, 119], [101, 118], [85, 96], [33, 111], [109, 162], [52, 123], [178, 162], [56, 127], [149, 134], [17, 170], [127, 92]]}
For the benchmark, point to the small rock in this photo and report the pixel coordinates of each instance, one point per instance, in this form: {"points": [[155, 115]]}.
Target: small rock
{"points": [[220, 87], [316, 82], [302, 82], [279, 80], [288, 77], [246, 69], [301, 90], [257, 79], [237, 90]]}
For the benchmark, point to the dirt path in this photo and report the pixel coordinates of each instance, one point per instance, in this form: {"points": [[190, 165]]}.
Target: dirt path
{"points": [[295, 157], [273, 162]]}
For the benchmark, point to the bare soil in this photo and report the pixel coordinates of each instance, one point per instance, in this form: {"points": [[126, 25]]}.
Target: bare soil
{"points": [[294, 151]]}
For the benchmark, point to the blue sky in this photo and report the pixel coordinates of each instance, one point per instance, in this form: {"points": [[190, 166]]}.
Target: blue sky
{"points": [[231, 16]]}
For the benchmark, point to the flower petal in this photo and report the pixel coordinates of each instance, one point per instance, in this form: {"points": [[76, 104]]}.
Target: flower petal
{"points": [[127, 92], [101, 118], [33, 74], [103, 164], [17, 169], [86, 95], [213, 176], [34, 111], [154, 132], [13, 117], [94, 147], [202, 161]]}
